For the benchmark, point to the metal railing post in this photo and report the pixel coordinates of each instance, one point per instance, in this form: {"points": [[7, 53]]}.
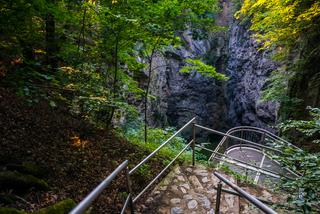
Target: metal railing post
{"points": [[193, 145], [218, 199], [263, 137], [129, 186], [253, 200]]}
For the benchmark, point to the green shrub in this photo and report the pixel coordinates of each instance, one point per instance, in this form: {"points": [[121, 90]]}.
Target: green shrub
{"points": [[156, 137], [304, 190]]}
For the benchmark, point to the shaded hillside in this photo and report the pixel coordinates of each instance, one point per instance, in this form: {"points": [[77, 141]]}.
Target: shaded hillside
{"points": [[73, 157]]}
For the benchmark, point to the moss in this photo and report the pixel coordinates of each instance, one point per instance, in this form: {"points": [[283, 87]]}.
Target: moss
{"points": [[5, 210], [61, 207], [20, 182], [27, 168]]}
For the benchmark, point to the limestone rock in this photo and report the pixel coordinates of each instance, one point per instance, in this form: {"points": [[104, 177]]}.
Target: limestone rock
{"points": [[192, 204], [194, 180], [175, 200]]}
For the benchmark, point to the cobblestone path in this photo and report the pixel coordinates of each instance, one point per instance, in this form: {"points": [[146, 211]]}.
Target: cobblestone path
{"points": [[191, 190]]}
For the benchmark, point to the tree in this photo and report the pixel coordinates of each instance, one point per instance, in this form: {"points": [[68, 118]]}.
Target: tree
{"points": [[291, 28], [161, 25]]}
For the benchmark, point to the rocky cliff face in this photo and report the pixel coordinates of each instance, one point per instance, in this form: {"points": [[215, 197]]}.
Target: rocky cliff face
{"points": [[183, 96], [217, 104], [248, 69]]}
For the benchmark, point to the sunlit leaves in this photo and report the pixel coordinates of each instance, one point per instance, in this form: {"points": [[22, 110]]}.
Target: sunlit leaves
{"points": [[290, 29], [203, 69], [279, 22]]}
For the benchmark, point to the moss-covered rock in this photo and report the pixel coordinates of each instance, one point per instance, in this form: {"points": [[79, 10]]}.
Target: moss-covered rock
{"points": [[27, 168], [5, 210], [61, 207], [20, 182]]}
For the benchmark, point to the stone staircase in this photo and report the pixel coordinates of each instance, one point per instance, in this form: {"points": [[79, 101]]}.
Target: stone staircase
{"points": [[191, 190]]}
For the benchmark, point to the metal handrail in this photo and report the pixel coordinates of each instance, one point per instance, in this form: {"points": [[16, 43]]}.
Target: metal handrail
{"points": [[255, 130], [231, 160], [158, 176], [243, 193], [87, 201], [240, 129], [231, 192], [192, 143], [130, 200], [261, 131], [162, 145], [237, 138]]}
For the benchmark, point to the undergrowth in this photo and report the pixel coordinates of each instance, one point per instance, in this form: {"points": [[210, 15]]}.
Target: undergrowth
{"points": [[156, 137]]}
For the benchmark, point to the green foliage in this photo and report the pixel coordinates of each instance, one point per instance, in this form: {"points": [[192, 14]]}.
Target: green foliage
{"points": [[203, 69], [310, 128], [290, 29], [27, 168], [144, 171], [304, 190], [96, 45], [280, 22], [155, 138], [92, 96], [29, 82], [278, 87], [240, 177], [93, 100], [277, 91]]}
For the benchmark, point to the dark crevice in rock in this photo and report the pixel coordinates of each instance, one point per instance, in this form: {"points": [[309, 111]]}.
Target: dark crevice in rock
{"points": [[217, 104]]}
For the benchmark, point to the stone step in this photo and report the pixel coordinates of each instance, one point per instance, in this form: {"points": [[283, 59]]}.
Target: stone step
{"points": [[262, 193], [189, 190]]}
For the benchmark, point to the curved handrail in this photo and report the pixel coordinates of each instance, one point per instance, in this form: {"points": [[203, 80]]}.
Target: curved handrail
{"points": [[265, 134], [240, 129], [262, 131], [84, 204]]}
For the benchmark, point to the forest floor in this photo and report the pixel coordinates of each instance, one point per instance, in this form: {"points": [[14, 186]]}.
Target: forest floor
{"points": [[73, 156]]}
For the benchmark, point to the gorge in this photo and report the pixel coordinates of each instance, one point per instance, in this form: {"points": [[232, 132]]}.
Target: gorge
{"points": [[93, 92], [220, 105]]}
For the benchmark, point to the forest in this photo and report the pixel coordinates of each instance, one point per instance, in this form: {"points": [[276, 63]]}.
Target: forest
{"points": [[88, 84]]}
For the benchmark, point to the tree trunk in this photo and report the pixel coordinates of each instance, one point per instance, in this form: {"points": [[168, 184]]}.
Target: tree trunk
{"points": [[115, 80], [146, 100], [147, 91], [81, 33], [51, 44]]}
